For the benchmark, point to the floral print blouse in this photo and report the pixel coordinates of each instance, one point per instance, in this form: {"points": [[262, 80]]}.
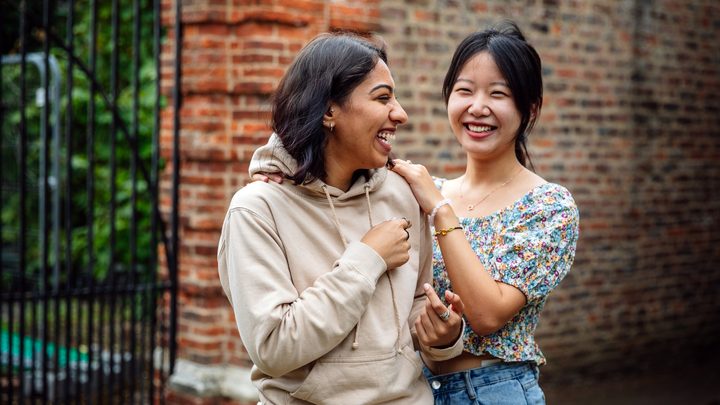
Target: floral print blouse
{"points": [[529, 245]]}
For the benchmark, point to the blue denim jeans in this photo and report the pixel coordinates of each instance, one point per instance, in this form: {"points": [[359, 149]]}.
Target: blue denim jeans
{"points": [[497, 384]]}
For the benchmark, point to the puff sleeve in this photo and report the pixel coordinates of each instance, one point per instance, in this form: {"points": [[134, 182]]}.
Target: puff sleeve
{"points": [[536, 251]]}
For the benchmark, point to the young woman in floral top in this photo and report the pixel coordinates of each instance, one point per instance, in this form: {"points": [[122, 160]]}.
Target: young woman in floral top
{"points": [[505, 237]]}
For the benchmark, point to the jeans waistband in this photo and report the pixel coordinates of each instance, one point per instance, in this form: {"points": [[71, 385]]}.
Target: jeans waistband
{"points": [[484, 375]]}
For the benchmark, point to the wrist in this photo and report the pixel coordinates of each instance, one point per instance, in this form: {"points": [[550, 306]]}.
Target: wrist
{"points": [[439, 206], [445, 232], [453, 342], [445, 217]]}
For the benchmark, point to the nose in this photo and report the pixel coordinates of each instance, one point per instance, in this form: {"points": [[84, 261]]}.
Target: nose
{"points": [[478, 107], [398, 114]]}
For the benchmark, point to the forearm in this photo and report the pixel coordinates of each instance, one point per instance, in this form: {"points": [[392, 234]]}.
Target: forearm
{"points": [[488, 303], [292, 335]]}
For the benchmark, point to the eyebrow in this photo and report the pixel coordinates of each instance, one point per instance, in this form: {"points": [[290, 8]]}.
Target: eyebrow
{"points": [[472, 82], [381, 86]]}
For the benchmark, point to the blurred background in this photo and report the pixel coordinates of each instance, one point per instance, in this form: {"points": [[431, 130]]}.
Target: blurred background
{"points": [[128, 125]]}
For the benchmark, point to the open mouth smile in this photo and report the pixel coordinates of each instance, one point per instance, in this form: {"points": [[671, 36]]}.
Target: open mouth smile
{"points": [[481, 129], [386, 138]]}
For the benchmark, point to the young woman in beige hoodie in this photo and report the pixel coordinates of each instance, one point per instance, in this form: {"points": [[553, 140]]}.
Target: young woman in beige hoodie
{"points": [[328, 272]]}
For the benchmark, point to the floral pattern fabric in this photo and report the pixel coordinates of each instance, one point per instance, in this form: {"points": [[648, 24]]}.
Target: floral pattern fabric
{"points": [[529, 245]]}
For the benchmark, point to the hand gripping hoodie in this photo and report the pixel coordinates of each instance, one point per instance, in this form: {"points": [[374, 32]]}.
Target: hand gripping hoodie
{"points": [[320, 316]]}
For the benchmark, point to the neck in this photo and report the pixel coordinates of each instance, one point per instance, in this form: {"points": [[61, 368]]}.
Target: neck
{"points": [[337, 175], [480, 173]]}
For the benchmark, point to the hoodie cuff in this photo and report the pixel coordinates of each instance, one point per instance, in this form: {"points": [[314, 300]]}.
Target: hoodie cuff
{"points": [[447, 353], [365, 260]]}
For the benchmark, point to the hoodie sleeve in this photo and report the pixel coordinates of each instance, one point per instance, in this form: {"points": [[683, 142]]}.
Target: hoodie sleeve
{"points": [[425, 276], [282, 329]]}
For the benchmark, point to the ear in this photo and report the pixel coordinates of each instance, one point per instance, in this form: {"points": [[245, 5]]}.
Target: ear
{"points": [[329, 114], [329, 117], [533, 111]]}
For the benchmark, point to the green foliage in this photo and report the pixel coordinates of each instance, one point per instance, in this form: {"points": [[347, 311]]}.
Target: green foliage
{"points": [[99, 250]]}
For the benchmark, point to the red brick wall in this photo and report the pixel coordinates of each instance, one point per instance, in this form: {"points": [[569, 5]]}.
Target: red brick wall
{"points": [[630, 126]]}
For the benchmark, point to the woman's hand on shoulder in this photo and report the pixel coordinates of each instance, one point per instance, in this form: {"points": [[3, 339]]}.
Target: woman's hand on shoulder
{"points": [[267, 177], [439, 325], [421, 183]]}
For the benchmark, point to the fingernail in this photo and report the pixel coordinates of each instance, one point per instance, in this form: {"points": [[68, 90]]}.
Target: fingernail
{"points": [[426, 286]]}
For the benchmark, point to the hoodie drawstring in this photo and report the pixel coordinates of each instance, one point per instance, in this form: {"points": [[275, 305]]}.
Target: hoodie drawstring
{"points": [[392, 289], [355, 343], [397, 314], [335, 218], [367, 200]]}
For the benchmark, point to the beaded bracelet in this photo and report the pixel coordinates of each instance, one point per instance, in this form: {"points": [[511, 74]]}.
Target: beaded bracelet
{"points": [[444, 232], [431, 217]]}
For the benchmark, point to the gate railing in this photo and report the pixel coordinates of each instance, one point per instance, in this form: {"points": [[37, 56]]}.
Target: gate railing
{"points": [[87, 306]]}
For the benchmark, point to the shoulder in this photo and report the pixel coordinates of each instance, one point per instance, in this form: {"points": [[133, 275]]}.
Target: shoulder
{"points": [[256, 197], [396, 189], [550, 203], [551, 195], [543, 205], [249, 206], [395, 182]]}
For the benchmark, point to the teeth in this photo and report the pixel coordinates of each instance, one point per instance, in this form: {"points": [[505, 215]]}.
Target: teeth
{"points": [[387, 136], [479, 128]]}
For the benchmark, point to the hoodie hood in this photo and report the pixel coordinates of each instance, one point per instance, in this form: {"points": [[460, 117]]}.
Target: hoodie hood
{"points": [[273, 158]]}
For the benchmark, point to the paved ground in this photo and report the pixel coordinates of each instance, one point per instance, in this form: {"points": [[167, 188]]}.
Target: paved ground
{"points": [[692, 384]]}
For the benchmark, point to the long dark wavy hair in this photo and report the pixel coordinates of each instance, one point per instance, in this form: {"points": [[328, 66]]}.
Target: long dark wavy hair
{"points": [[325, 71], [519, 64]]}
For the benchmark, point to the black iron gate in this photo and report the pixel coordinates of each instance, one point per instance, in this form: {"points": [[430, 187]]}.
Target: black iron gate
{"points": [[87, 303]]}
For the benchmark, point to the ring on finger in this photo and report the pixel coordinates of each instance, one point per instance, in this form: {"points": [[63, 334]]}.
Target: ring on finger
{"points": [[445, 315], [408, 222], [407, 234]]}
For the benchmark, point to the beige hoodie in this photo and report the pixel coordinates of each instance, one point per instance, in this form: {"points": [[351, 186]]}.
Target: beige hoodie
{"points": [[320, 316]]}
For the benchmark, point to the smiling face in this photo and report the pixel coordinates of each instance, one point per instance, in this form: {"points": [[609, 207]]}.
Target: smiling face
{"points": [[482, 111], [364, 126]]}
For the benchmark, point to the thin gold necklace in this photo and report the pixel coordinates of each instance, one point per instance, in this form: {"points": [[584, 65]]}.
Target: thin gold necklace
{"points": [[471, 207]]}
